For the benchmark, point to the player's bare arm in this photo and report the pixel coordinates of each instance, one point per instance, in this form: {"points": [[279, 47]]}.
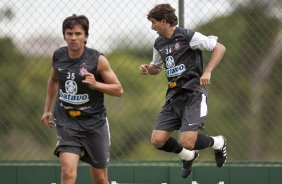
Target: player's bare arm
{"points": [[52, 89], [111, 86], [146, 69], [217, 55]]}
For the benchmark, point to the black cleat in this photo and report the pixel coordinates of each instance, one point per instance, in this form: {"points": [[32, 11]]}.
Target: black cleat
{"points": [[187, 166], [221, 154]]}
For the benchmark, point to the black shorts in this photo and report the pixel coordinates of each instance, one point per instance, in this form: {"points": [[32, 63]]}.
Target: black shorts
{"points": [[186, 111], [93, 148]]}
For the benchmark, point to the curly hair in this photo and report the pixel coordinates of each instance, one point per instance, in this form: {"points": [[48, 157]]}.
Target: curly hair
{"points": [[163, 11]]}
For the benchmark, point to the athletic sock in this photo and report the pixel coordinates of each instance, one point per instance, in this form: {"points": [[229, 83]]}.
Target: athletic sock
{"points": [[187, 154], [203, 141], [171, 145], [218, 142]]}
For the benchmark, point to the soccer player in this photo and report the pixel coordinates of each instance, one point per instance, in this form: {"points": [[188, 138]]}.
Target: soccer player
{"points": [[179, 52], [79, 79]]}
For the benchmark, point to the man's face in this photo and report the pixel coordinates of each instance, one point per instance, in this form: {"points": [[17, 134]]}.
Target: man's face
{"points": [[158, 26], [75, 38]]}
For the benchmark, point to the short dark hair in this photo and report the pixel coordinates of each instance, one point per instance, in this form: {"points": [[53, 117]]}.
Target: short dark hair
{"points": [[163, 11], [74, 20]]}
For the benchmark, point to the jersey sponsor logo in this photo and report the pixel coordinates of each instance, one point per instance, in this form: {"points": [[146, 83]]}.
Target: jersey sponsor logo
{"points": [[74, 113], [175, 71], [169, 61], [70, 96], [71, 87]]}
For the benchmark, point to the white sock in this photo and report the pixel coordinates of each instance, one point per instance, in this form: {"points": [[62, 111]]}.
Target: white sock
{"points": [[187, 154], [218, 142]]}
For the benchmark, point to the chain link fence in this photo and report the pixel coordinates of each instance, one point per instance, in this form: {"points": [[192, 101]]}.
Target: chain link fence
{"points": [[244, 99]]}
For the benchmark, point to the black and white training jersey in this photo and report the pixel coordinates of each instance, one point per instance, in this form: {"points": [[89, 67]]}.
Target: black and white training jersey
{"points": [[181, 57], [76, 101]]}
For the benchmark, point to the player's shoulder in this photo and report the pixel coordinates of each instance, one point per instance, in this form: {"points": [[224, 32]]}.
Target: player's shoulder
{"points": [[159, 39], [60, 53], [185, 31], [61, 50], [92, 51]]}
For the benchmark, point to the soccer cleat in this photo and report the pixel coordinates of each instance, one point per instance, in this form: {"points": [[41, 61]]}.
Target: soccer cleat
{"points": [[187, 166], [221, 154]]}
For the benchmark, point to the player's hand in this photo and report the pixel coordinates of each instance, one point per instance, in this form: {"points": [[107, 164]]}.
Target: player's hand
{"points": [[48, 120], [89, 79], [144, 69], [205, 79]]}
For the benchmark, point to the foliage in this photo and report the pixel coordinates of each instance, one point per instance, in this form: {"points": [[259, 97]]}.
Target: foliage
{"points": [[247, 33]]}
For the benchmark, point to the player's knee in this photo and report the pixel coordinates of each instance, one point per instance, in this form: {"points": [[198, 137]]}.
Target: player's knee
{"points": [[157, 142], [100, 180], [188, 144], [68, 175]]}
